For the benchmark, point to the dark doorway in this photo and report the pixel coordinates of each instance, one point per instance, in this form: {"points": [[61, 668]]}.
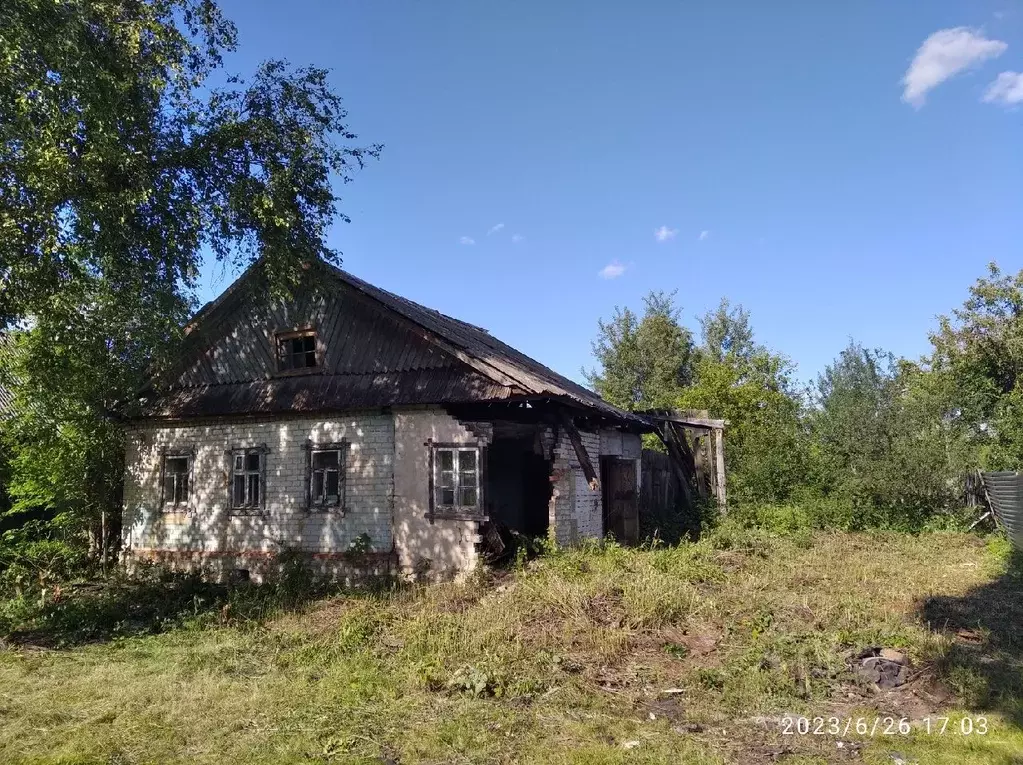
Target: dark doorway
{"points": [[620, 499], [517, 489]]}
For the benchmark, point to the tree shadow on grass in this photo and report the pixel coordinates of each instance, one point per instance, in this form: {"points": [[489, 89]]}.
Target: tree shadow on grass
{"points": [[984, 665], [158, 601]]}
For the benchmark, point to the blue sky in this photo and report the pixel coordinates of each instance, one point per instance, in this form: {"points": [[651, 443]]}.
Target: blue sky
{"points": [[842, 170]]}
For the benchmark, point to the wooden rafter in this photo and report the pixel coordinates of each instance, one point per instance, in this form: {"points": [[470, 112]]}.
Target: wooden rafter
{"points": [[580, 451]]}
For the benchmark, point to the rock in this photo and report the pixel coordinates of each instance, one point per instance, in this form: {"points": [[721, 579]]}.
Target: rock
{"points": [[688, 728], [630, 744], [890, 654], [884, 667]]}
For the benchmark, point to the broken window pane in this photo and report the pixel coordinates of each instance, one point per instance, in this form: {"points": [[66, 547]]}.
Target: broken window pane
{"points": [[252, 461], [467, 496], [447, 459], [253, 497], [297, 351], [175, 480], [239, 462], [324, 460], [327, 466], [332, 486], [239, 491], [457, 478]]}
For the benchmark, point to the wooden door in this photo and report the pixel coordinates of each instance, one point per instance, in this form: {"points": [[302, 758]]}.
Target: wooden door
{"points": [[621, 499]]}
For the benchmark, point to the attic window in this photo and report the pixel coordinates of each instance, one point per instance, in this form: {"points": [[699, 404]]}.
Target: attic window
{"points": [[296, 350]]}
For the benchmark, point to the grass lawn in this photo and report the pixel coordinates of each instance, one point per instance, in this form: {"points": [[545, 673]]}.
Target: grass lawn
{"points": [[602, 655]]}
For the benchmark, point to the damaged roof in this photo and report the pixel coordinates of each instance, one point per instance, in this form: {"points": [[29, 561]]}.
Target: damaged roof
{"points": [[528, 373], [381, 349]]}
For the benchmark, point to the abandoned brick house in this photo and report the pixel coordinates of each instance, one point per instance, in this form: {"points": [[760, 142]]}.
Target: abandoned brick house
{"points": [[355, 425]]}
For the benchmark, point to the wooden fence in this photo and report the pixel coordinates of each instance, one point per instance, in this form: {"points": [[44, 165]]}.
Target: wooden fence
{"points": [[662, 503]]}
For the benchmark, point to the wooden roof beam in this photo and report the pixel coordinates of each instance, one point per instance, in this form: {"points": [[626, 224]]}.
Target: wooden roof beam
{"points": [[580, 451]]}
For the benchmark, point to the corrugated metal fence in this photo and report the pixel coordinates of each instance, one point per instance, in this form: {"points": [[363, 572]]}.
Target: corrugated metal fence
{"points": [[1005, 493]]}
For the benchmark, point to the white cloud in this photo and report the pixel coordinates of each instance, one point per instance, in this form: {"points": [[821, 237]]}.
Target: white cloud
{"points": [[1007, 89], [944, 54], [612, 270], [516, 238], [495, 229], [704, 235], [467, 240], [663, 234]]}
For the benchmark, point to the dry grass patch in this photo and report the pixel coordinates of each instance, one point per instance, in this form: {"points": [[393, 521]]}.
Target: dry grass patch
{"points": [[603, 654]]}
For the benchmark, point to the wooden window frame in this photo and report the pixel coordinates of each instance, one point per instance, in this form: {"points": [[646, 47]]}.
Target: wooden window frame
{"points": [[284, 335], [454, 512], [165, 454], [232, 454], [342, 447]]}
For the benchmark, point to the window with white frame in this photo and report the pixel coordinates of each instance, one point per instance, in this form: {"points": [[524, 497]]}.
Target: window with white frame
{"points": [[456, 480], [327, 476], [177, 479], [248, 488]]}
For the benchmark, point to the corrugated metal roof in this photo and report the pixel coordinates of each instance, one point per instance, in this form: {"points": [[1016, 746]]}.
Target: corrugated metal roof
{"points": [[530, 374], [395, 367], [1005, 490]]}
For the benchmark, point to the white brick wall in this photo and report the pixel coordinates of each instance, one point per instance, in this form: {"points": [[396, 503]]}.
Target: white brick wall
{"points": [[442, 547], [285, 521], [576, 512], [386, 494]]}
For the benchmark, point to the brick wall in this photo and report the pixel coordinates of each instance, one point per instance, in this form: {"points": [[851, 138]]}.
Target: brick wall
{"points": [[387, 494], [575, 510], [210, 526], [442, 547]]}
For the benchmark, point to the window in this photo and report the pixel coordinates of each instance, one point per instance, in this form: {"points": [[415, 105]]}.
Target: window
{"points": [[177, 470], [327, 475], [296, 350], [456, 480], [247, 485]]}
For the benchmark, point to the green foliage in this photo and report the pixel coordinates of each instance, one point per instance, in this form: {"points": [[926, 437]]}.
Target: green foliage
{"points": [[361, 545], [727, 331], [643, 362], [125, 156], [765, 449], [876, 442], [61, 607]]}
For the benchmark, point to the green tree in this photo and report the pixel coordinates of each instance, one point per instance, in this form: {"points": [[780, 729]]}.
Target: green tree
{"points": [[643, 363], [726, 331], [764, 444], [853, 417], [122, 165], [978, 353]]}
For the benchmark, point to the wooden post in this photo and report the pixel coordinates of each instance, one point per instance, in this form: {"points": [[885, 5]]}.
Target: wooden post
{"points": [[580, 451], [719, 461]]}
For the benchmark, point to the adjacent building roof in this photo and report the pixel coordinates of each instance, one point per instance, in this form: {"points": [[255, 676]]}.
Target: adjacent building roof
{"points": [[380, 349]]}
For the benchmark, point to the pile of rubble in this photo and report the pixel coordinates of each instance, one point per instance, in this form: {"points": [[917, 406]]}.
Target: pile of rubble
{"points": [[884, 667]]}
